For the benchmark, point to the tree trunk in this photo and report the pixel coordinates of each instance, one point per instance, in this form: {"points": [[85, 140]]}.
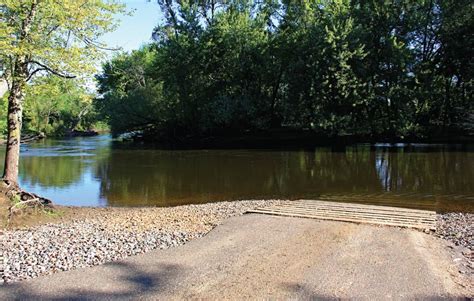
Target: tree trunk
{"points": [[15, 112], [15, 102]]}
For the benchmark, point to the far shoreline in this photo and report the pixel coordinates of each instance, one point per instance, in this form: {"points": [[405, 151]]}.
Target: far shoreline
{"points": [[285, 139]]}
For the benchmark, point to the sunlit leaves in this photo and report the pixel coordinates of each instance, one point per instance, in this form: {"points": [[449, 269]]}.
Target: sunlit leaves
{"points": [[54, 106], [63, 34]]}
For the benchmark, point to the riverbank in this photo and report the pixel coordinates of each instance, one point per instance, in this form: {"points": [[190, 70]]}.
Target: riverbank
{"points": [[75, 237], [256, 256], [286, 138], [458, 230], [78, 237], [37, 136]]}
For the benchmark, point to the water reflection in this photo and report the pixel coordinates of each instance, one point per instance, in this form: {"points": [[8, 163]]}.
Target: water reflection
{"points": [[440, 172], [92, 171], [56, 171]]}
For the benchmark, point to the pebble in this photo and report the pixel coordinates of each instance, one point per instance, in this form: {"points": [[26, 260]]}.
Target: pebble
{"points": [[108, 234], [457, 228]]}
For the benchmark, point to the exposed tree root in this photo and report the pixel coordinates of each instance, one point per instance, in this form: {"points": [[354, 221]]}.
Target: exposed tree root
{"points": [[22, 200]]}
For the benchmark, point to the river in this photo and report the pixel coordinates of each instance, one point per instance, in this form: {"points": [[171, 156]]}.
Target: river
{"points": [[96, 171]]}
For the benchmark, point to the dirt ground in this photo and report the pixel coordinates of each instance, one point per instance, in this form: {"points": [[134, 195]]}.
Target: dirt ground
{"points": [[258, 256], [34, 217]]}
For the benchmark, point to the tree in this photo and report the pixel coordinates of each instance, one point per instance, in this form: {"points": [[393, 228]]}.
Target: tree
{"points": [[371, 69], [130, 98], [57, 106], [46, 37]]}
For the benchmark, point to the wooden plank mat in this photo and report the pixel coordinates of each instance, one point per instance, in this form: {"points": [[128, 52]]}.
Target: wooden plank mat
{"points": [[358, 213]]}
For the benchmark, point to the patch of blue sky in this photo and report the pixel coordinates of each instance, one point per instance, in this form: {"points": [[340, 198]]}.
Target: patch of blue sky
{"points": [[136, 29]]}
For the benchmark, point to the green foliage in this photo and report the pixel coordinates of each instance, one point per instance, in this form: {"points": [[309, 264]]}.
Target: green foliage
{"points": [[136, 102], [368, 68], [42, 39], [3, 115], [56, 106], [59, 37]]}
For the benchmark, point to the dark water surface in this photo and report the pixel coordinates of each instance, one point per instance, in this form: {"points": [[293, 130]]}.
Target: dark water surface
{"points": [[94, 171]]}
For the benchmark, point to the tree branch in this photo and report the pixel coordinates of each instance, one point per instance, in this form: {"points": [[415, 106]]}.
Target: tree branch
{"points": [[46, 68], [97, 45], [34, 72]]}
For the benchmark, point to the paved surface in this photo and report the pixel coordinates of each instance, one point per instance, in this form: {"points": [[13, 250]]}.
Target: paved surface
{"points": [[255, 256]]}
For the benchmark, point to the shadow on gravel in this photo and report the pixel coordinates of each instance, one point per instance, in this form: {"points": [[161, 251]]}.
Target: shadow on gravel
{"points": [[129, 283]]}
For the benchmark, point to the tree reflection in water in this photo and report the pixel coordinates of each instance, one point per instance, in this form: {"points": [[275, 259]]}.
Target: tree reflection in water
{"points": [[153, 177], [92, 167]]}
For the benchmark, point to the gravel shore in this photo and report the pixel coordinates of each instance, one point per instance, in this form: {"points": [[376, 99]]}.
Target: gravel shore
{"points": [[99, 235], [94, 236], [458, 230]]}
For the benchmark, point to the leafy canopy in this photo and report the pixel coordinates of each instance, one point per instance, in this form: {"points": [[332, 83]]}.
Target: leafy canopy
{"points": [[59, 37], [376, 69]]}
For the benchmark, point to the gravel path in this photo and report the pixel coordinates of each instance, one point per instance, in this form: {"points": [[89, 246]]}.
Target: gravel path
{"points": [[99, 235]]}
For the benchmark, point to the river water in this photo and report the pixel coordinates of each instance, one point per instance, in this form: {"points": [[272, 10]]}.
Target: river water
{"points": [[95, 171]]}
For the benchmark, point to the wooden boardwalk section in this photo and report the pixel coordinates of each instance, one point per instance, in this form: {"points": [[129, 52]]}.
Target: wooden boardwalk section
{"points": [[357, 213]]}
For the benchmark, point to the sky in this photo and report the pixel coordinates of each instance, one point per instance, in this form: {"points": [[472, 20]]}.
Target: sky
{"points": [[135, 30]]}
